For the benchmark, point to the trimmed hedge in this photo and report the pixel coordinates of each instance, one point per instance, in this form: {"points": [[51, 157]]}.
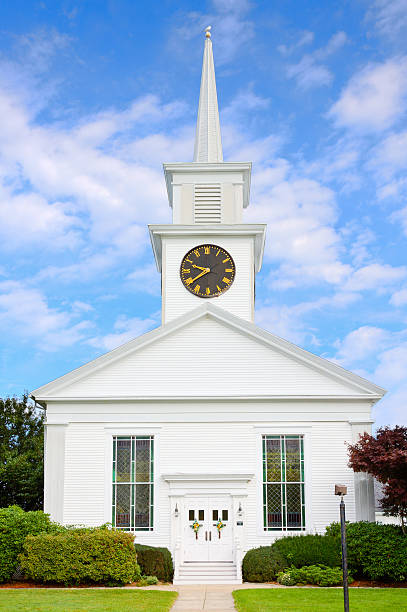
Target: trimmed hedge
{"points": [[15, 525], [375, 551], [304, 550], [262, 564], [155, 561], [81, 556], [312, 574]]}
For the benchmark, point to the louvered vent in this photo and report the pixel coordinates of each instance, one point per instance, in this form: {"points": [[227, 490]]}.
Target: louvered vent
{"points": [[207, 203]]}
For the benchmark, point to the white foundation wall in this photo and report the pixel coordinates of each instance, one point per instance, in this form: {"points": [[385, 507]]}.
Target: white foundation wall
{"points": [[207, 441]]}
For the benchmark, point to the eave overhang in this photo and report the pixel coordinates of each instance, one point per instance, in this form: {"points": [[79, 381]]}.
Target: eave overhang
{"points": [[256, 231]]}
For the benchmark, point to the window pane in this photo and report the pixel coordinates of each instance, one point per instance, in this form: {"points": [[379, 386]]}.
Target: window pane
{"points": [[201, 515], [293, 460], [225, 515], [123, 460], [132, 504], [274, 514], [123, 506], [142, 513], [191, 515], [273, 459], [283, 464], [142, 460], [215, 515], [293, 505]]}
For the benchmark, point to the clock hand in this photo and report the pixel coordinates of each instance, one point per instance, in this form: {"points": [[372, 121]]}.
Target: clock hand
{"points": [[198, 267], [205, 271]]}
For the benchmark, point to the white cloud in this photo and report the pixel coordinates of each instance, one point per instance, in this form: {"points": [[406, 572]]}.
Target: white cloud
{"points": [[399, 298], [230, 27], [126, 329], [389, 157], [306, 38], [382, 358], [310, 71], [309, 74], [300, 214], [145, 280], [360, 343], [378, 277], [374, 99], [25, 313], [390, 18]]}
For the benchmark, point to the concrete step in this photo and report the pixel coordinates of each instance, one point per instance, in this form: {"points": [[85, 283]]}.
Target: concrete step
{"points": [[183, 581], [207, 573]]}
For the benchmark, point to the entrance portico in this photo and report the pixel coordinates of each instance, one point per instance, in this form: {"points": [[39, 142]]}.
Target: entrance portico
{"points": [[211, 549]]}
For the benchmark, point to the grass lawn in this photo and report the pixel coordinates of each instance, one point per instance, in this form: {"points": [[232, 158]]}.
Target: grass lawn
{"points": [[299, 600], [85, 600]]}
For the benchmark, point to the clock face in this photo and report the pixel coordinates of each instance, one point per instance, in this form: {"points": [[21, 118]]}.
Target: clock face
{"points": [[207, 271]]}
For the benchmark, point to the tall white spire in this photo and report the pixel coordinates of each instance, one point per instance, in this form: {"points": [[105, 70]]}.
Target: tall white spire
{"points": [[208, 144]]}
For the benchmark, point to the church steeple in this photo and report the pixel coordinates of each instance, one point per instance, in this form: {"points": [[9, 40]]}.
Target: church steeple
{"points": [[208, 191], [208, 144]]}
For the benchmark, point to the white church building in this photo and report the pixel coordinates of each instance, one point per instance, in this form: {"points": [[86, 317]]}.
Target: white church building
{"points": [[208, 435]]}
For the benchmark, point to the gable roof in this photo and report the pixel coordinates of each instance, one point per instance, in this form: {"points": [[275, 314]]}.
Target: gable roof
{"points": [[345, 383]]}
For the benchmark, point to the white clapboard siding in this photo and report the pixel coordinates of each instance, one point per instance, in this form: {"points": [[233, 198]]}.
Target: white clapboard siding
{"points": [[238, 299], [206, 448], [205, 358]]}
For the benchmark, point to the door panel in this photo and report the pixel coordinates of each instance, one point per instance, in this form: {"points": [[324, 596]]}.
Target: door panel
{"points": [[208, 545]]}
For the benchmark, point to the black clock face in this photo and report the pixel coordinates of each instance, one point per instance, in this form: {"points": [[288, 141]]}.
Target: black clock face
{"points": [[207, 271]]}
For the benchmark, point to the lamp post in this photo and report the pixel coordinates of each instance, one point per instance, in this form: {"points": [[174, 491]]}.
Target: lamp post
{"points": [[342, 490]]}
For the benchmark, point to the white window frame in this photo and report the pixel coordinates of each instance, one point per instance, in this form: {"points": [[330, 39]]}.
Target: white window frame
{"points": [[305, 432], [110, 432]]}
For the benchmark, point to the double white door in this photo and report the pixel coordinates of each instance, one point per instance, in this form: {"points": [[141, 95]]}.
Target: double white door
{"points": [[208, 543]]}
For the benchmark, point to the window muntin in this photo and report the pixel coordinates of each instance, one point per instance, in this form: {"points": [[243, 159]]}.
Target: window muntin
{"points": [[283, 483], [133, 483]]}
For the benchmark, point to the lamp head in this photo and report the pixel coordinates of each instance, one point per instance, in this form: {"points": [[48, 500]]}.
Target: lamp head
{"points": [[341, 490]]}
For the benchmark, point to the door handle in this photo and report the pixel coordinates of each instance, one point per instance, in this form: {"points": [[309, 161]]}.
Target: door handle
{"points": [[206, 536], [210, 536]]}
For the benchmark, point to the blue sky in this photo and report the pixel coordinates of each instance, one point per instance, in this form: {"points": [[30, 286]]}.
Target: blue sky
{"points": [[94, 96]]}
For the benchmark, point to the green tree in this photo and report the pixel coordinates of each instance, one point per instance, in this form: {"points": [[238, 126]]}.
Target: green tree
{"points": [[21, 453]]}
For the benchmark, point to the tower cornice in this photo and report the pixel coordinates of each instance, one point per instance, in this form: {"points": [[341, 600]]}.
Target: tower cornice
{"points": [[171, 170]]}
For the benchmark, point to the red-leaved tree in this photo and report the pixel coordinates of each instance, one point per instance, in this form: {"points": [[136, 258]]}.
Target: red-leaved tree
{"points": [[385, 457]]}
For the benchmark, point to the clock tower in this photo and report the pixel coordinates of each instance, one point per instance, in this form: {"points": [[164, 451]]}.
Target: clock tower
{"points": [[207, 253]]}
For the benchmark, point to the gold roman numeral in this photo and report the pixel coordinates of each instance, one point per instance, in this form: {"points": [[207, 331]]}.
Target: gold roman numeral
{"points": [[197, 253], [218, 288], [226, 280], [189, 261], [197, 288], [218, 252], [187, 271], [226, 270], [189, 280], [208, 291], [225, 260], [207, 250]]}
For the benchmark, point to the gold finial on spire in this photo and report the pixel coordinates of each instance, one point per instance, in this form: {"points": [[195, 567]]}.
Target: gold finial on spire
{"points": [[208, 32]]}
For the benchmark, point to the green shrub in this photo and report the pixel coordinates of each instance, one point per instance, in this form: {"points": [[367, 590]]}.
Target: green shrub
{"points": [[147, 580], [309, 550], [15, 525], [375, 551], [81, 556], [262, 564], [155, 561], [312, 574]]}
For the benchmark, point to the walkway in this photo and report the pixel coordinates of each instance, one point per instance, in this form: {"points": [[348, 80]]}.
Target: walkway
{"points": [[197, 597]]}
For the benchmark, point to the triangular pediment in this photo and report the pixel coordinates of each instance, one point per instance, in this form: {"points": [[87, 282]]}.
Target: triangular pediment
{"points": [[208, 353]]}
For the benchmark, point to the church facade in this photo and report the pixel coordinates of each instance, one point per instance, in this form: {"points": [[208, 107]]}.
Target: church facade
{"points": [[207, 435]]}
